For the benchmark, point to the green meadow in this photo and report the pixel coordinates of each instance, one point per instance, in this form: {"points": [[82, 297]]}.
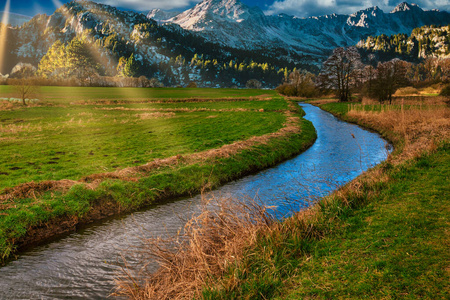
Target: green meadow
{"points": [[73, 133], [53, 142], [67, 95]]}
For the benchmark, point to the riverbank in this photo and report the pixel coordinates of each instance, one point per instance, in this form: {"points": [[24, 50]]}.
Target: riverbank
{"points": [[35, 211], [384, 235]]}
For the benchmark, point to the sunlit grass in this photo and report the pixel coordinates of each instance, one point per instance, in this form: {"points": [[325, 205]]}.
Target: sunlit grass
{"points": [[67, 142], [67, 95]]}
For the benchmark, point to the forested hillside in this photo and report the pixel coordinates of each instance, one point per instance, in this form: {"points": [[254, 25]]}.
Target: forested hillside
{"points": [[84, 39], [423, 42]]}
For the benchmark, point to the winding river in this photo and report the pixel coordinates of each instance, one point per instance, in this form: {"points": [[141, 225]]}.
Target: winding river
{"points": [[83, 265]]}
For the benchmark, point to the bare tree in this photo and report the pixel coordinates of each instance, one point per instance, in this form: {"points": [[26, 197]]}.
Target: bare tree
{"points": [[338, 72], [390, 76], [25, 88]]}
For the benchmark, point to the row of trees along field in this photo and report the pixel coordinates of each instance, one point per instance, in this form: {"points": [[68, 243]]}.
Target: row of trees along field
{"points": [[343, 73]]}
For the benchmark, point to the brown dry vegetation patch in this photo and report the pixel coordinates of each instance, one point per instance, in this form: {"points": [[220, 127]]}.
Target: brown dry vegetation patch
{"points": [[420, 128], [16, 128], [156, 115], [34, 189], [410, 100], [9, 105], [211, 242], [323, 101]]}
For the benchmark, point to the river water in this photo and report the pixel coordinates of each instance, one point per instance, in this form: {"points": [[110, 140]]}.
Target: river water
{"points": [[84, 264]]}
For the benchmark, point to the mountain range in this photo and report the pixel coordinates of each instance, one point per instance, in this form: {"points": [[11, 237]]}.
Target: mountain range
{"points": [[232, 23], [216, 43]]}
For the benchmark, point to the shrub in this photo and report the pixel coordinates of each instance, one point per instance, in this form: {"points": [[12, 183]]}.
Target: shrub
{"points": [[307, 91], [253, 84], [406, 91], [192, 84], [445, 91], [287, 90]]}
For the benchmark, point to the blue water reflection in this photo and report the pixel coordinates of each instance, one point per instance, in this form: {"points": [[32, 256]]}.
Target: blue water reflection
{"points": [[341, 152]]}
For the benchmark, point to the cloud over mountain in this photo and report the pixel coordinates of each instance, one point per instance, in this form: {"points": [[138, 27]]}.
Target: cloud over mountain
{"points": [[142, 5], [306, 8]]}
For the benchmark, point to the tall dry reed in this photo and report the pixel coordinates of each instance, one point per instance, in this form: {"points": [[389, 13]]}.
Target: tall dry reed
{"points": [[211, 241], [418, 127]]}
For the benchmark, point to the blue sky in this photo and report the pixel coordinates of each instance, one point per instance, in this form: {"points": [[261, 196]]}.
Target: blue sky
{"points": [[300, 8]]}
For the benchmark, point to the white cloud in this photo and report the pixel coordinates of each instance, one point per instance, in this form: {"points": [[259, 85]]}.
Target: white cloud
{"points": [[307, 8], [144, 5]]}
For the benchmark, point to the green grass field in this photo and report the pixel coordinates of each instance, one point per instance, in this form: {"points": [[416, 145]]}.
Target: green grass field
{"points": [[67, 95], [53, 143], [72, 133]]}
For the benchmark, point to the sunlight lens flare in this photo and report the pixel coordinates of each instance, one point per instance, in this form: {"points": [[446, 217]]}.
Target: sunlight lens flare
{"points": [[100, 56], [97, 54], [4, 32], [57, 3]]}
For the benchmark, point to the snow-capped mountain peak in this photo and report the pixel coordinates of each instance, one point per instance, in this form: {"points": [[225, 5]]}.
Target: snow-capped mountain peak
{"points": [[405, 6], [234, 24], [161, 15], [365, 18], [207, 12]]}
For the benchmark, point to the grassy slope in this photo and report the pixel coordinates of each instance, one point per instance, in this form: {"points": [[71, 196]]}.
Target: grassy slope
{"points": [[80, 150], [384, 239], [395, 247]]}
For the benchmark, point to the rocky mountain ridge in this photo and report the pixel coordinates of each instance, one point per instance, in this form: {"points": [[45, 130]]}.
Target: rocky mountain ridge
{"points": [[225, 43], [14, 19], [232, 23], [169, 53]]}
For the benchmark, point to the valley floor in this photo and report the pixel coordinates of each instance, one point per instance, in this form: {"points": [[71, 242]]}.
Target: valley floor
{"points": [[383, 236], [83, 154]]}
